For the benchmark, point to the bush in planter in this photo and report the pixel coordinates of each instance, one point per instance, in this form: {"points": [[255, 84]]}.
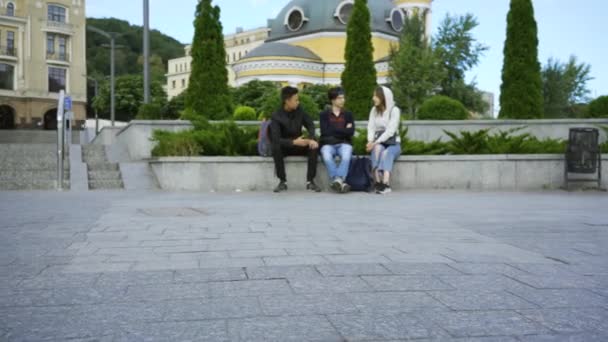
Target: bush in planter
{"points": [[244, 113], [272, 102], [149, 111], [175, 144], [442, 108], [598, 108]]}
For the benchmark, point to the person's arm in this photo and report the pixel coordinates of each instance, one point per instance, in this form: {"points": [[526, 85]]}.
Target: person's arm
{"points": [[393, 126], [275, 134], [309, 124], [371, 127], [325, 126]]}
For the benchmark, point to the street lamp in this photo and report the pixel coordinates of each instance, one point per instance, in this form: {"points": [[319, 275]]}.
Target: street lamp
{"points": [[146, 51], [112, 37], [94, 109]]}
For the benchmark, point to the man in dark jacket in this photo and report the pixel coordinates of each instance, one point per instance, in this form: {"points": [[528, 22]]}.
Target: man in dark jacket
{"points": [[337, 130], [287, 139]]}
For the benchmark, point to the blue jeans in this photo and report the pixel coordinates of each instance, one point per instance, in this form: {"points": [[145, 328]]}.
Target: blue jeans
{"points": [[383, 157], [329, 152]]}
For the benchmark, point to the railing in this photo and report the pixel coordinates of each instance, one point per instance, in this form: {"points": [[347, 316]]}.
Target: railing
{"points": [[59, 25], [8, 51], [56, 56]]}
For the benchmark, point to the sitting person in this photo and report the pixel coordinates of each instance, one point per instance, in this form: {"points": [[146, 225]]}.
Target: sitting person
{"points": [[337, 130], [383, 139], [287, 139]]}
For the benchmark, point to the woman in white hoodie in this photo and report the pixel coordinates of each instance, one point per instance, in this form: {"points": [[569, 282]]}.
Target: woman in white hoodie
{"points": [[383, 139]]}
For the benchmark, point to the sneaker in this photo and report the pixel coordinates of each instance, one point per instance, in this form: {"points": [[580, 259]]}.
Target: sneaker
{"points": [[378, 187], [336, 185], [345, 188], [313, 187], [281, 187], [386, 190]]}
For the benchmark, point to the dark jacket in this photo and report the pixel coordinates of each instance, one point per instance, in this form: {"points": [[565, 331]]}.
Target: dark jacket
{"points": [[333, 128], [287, 126]]}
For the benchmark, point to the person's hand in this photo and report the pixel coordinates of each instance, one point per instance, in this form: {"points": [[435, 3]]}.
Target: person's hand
{"points": [[370, 146], [350, 125], [313, 145], [301, 142]]}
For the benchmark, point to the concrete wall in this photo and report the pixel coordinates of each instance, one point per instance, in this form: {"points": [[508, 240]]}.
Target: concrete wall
{"points": [[555, 129], [490, 172], [106, 136], [135, 137]]}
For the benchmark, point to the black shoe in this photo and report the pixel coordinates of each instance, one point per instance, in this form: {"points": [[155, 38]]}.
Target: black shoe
{"points": [[386, 190], [313, 187], [345, 188], [380, 187], [281, 187]]}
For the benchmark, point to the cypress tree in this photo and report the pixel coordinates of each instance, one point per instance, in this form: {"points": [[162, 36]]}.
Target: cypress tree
{"points": [[359, 76], [521, 95], [208, 94]]}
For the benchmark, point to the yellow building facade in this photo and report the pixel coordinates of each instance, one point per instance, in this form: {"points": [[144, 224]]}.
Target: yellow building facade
{"points": [[42, 51], [307, 41]]}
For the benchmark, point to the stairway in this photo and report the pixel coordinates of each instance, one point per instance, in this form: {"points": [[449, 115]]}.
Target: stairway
{"points": [[102, 175], [30, 167]]}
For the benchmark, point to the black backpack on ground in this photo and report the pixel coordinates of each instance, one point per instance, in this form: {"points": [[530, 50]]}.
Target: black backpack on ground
{"points": [[360, 174]]}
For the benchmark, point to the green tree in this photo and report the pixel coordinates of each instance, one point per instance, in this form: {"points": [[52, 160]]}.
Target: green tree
{"points": [[318, 92], [415, 70], [521, 90], [459, 52], [251, 93], [244, 113], [173, 108], [359, 76], [208, 93], [598, 108], [128, 98], [565, 87], [272, 103], [442, 108]]}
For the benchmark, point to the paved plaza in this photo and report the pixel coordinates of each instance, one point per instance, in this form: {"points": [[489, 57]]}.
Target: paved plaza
{"points": [[427, 266]]}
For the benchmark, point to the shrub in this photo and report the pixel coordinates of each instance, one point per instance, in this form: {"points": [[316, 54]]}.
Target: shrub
{"points": [[149, 111], [244, 113], [272, 102], [175, 144], [598, 108], [442, 108]]}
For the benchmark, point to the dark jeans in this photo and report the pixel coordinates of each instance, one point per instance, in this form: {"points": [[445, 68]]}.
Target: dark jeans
{"points": [[279, 153]]}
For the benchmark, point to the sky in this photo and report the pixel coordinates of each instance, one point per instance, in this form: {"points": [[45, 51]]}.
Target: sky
{"points": [[565, 28]]}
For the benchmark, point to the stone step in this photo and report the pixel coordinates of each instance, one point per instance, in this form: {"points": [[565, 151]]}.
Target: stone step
{"points": [[36, 184], [103, 167], [105, 184], [104, 175]]}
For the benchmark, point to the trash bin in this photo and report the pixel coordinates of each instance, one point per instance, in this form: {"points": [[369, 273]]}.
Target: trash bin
{"points": [[583, 156]]}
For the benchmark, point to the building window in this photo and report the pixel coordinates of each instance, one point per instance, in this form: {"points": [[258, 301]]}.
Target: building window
{"points": [[344, 10], [10, 9], [397, 19], [175, 67], [62, 49], [50, 44], [10, 43], [174, 85], [234, 57], [56, 13], [7, 77], [56, 79], [295, 19], [240, 56], [183, 83]]}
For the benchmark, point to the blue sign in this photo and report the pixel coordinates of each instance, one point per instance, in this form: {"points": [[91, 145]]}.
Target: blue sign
{"points": [[67, 103]]}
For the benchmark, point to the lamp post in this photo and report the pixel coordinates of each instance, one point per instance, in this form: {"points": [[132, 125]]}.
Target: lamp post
{"points": [[95, 110], [112, 37], [146, 51]]}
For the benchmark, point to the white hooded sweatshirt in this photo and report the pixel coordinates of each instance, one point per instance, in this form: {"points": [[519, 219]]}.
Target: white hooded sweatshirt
{"points": [[387, 121]]}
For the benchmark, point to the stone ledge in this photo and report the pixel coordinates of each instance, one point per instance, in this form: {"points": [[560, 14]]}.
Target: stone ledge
{"points": [[466, 172]]}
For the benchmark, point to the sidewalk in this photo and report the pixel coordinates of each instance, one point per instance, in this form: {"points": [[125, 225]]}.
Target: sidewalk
{"points": [[447, 266]]}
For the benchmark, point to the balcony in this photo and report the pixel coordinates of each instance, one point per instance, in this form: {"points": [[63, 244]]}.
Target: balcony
{"points": [[58, 56], [6, 51], [58, 27]]}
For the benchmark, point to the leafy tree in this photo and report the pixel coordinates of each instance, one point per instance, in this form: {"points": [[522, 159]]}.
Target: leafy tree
{"points": [[565, 87], [359, 76], [521, 94], [208, 93]]}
